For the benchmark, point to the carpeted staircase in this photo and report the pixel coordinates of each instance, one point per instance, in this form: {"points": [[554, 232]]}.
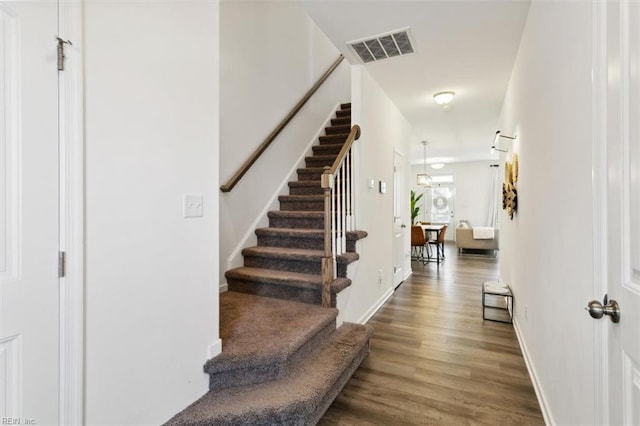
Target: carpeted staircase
{"points": [[283, 359]]}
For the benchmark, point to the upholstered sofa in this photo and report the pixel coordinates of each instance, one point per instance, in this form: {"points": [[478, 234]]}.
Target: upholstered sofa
{"points": [[465, 240]]}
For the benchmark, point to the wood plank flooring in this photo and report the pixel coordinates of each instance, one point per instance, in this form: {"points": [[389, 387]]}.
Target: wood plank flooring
{"points": [[434, 360]]}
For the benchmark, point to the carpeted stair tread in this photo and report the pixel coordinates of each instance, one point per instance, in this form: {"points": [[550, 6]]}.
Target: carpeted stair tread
{"points": [[296, 254], [329, 148], [325, 157], [344, 113], [285, 278], [305, 183], [341, 120], [249, 340], [333, 138], [296, 214], [305, 197], [292, 253], [310, 173], [307, 233], [291, 232], [324, 160], [339, 129], [298, 398]]}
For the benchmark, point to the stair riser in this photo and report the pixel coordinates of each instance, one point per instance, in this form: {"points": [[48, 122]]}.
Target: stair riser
{"points": [[334, 130], [289, 222], [301, 243], [303, 295], [327, 149], [339, 385], [261, 374], [245, 376], [306, 176], [306, 190], [332, 139], [291, 242], [344, 113], [319, 162], [290, 265], [302, 205], [341, 121]]}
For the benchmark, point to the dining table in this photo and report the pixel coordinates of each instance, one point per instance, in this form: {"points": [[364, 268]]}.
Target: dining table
{"points": [[435, 230]]}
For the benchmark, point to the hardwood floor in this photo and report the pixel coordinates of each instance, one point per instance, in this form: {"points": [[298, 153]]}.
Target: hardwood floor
{"points": [[434, 360]]}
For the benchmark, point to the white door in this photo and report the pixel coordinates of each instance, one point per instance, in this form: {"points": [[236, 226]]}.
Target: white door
{"points": [[623, 209], [400, 209], [28, 212], [440, 202]]}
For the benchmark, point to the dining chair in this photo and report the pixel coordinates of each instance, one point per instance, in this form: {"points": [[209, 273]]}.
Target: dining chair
{"points": [[439, 243], [418, 242]]}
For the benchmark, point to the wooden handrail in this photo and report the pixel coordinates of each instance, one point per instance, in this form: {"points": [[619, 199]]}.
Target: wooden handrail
{"points": [[265, 144]]}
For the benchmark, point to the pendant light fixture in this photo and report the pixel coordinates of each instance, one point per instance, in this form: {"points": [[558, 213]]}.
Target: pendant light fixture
{"points": [[423, 178]]}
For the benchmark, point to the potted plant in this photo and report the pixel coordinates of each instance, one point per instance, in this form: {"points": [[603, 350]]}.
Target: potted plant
{"points": [[415, 208]]}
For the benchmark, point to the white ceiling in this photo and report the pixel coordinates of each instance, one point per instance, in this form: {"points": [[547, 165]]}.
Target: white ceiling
{"points": [[468, 47]]}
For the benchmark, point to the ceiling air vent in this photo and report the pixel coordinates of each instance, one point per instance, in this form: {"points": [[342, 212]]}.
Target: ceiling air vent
{"points": [[383, 46]]}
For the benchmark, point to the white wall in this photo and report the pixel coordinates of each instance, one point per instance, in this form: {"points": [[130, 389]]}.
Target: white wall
{"points": [[384, 129], [472, 181], [547, 250], [271, 53], [151, 275]]}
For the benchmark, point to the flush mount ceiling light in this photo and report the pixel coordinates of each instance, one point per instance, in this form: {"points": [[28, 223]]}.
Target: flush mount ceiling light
{"points": [[443, 98], [437, 166]]}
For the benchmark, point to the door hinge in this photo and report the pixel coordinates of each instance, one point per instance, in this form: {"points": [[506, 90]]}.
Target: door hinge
{"points": [[61, 56], [61, 263]]}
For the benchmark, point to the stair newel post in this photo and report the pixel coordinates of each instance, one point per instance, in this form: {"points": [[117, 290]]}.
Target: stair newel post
{"points": [[327, 258]]}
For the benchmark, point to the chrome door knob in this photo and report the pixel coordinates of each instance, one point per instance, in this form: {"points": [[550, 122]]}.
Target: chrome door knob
{"points": [[597, 310]]}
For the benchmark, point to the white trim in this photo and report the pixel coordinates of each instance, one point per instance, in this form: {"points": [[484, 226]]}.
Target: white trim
{"points": [[406, 277], [372, 311], [215, 349], [11, 385], [542, 400], [234, 258], [599, 204], [11, 264], [71, 133], [224, 287]]}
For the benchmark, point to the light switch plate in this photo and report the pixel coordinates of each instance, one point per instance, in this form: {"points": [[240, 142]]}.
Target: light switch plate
{"points": [[193, 205]]}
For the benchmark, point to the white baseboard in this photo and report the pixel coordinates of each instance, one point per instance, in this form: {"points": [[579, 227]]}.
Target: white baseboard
{"points": [[224, 287], [371, 312], [214, 349], [542, 400]]}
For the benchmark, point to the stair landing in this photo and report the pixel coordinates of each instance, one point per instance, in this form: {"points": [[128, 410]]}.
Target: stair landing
{"points": [[300, 398], [261, 336]]}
